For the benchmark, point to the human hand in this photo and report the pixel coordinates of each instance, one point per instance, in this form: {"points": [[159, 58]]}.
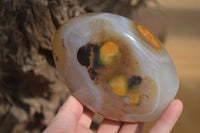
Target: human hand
{"points": [[72, 117]]}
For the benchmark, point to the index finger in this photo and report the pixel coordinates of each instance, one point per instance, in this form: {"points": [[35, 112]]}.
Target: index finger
{"points": [[169, 117], [67, 117]]}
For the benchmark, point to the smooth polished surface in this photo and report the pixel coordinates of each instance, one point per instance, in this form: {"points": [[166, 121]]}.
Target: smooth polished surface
{"points": [[115, 67]]}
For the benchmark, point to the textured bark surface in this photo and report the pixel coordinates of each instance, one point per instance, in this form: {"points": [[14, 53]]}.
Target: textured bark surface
{"points": [[30, 88]]}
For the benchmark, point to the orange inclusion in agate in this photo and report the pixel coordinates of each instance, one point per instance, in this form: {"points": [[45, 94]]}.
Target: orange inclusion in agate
{"points": [[147, 34]]}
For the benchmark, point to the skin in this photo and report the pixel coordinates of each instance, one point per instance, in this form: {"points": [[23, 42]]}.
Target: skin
{"points": [[72, 117]]}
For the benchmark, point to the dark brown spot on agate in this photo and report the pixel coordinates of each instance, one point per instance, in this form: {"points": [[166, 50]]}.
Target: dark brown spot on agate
{"points": [[134, 81], [88, 56], [93, 74], [88, 53], [83, 55]]}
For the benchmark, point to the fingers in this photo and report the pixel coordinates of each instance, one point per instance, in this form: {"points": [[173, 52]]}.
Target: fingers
{"points": [[82, 129], [134, 127], [71, 114], [66, 118], [86, 118], [168, 119], [119, 127], [109, 126]]}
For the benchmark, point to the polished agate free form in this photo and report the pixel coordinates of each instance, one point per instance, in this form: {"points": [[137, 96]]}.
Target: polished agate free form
{"points": [[115, 67]]}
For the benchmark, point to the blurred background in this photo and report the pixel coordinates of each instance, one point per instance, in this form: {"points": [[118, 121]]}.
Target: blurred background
{"points": [[30, 88], [182, 21]]}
